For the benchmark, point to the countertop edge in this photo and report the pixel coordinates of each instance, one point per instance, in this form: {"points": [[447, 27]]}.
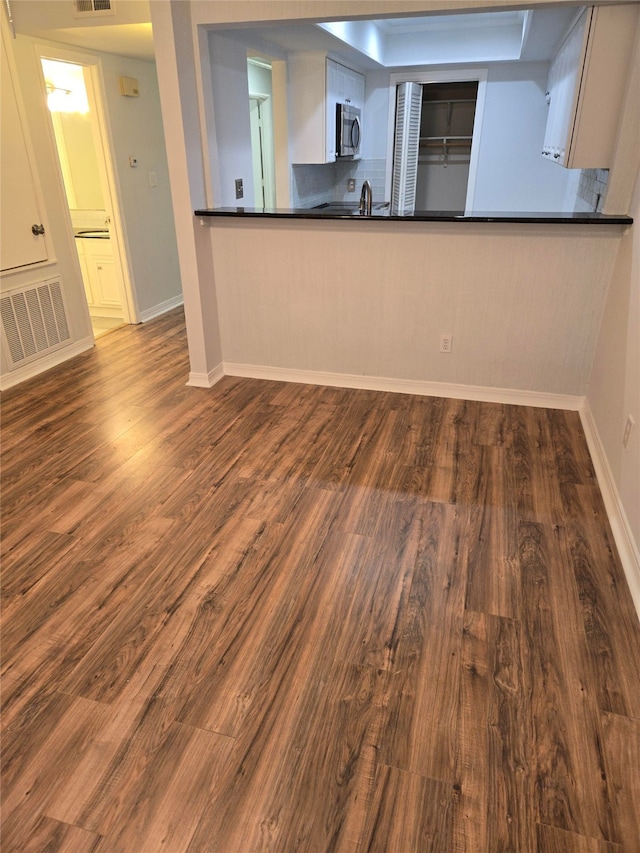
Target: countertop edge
{"points": [[422, 216]]}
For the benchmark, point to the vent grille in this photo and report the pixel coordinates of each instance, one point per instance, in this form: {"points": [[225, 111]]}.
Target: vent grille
{"points": [[34, 321], [93, 7]]}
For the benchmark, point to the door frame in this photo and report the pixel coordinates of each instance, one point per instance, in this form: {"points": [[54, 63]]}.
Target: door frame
{"points": [[427, 75], [266, 147], [92, 67]]}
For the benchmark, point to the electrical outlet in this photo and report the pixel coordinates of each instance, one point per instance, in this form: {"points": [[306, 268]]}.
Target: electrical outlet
{"points": [[628, 427], [239, 188], [445, 343], [351, 185]]}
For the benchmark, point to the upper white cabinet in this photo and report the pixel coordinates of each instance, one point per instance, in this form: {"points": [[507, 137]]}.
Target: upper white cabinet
{"points": [[348, 85], [316, 85], [587, 83]]}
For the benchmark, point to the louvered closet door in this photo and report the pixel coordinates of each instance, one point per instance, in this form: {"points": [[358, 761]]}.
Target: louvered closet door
{"points": [[406, 147]]}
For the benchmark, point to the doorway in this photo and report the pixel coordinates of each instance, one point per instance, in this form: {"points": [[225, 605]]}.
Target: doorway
{"points": [[446, 135], [434, 128], [73, 101], [262, 140]]}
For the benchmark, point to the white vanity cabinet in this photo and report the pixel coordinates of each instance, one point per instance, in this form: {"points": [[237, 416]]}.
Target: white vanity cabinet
{"points": [[316, 84], [587, 82], [99, 276]]}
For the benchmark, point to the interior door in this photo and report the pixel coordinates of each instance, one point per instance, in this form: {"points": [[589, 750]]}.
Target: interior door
{"points": [[256, 151], [22, 239]]}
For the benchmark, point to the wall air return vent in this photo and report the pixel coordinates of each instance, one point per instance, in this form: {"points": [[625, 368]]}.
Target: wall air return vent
{"points": [[34, 321], [83, 8]]}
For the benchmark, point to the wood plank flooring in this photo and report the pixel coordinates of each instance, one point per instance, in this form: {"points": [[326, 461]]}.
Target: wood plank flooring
{"points": [[272, 617]]}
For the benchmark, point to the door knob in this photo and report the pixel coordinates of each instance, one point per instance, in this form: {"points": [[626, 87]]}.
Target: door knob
{"points": [[37, 229]]}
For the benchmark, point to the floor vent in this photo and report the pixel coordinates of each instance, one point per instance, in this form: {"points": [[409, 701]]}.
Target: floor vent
{"points": [[93, 7], [34, 321]]}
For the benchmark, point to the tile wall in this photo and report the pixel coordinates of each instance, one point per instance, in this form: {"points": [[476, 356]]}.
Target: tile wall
{"points": [[592, 189], [315, 184]]}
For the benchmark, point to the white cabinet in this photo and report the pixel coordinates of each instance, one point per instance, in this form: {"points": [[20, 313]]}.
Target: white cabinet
{"points": [[349, 85], [316, 85], [587, 82], [99, 276]]}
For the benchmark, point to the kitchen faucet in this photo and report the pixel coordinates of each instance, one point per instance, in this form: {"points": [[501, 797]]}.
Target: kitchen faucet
{"points": [[366, 199]]}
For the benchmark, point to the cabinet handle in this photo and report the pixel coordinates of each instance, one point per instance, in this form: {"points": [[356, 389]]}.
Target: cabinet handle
{"points": [[37, 229]]}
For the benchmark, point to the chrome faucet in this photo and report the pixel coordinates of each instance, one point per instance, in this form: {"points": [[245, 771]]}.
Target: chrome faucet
{"points": [[366, 199]]}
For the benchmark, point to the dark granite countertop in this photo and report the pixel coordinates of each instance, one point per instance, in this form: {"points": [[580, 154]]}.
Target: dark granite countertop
{"points": [[335, 211]]}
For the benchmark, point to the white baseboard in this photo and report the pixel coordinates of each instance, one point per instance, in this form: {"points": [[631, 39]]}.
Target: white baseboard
{"points": [[161, 308], [206, 380], [624, 539], [34, 368], [408, 386]]}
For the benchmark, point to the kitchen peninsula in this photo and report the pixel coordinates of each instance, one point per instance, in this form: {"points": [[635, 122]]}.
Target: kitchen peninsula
{"points": [[385, 214]]}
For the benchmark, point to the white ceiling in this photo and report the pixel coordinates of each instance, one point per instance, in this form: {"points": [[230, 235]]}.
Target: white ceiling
{"points": [[132, 40], [136, 39]]}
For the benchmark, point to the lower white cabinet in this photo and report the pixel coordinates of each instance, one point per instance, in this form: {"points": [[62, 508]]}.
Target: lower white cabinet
{"points": [[99, 276]]}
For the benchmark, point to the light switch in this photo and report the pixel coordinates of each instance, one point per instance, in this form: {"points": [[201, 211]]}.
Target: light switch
{"points": [[153, 179]]}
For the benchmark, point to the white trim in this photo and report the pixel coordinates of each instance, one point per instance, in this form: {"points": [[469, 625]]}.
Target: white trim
{"points": [[161, 308], [36, 368], [427, 75], [206, 380], [408, 386], [622, 534], [103, 139]]}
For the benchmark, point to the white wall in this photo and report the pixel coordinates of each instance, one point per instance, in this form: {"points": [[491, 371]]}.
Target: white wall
{"points": [[614, 384], [371, 299], [512, 174], [230, 90], [136, 128], [76, 140], [376, 115]]}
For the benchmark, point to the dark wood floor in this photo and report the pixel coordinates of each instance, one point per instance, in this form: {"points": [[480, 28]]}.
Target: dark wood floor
{"points": [[271, 617]]}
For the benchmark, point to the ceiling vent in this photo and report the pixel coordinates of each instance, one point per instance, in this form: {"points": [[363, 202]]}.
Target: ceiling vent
{"points": [[94, 8]]}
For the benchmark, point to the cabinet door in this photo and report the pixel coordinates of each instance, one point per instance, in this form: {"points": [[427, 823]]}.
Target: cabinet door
{"points": [[107, 282], [356, 89], [19, 246], [349, 86], [332, 99], [101, 282], [84, 269], [564, 79], [308, 108], [587, 82]]}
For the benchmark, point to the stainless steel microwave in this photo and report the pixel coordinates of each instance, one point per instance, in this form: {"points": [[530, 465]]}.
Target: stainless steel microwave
{"points": [[348, 130]]}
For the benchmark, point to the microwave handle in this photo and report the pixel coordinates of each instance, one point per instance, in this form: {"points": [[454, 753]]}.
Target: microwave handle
{"points": [[355, 133]]}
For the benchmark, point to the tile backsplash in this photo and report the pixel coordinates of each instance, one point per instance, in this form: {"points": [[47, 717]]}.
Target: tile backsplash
{"points": [[88, 218], [316, 184], [591, 190]]}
